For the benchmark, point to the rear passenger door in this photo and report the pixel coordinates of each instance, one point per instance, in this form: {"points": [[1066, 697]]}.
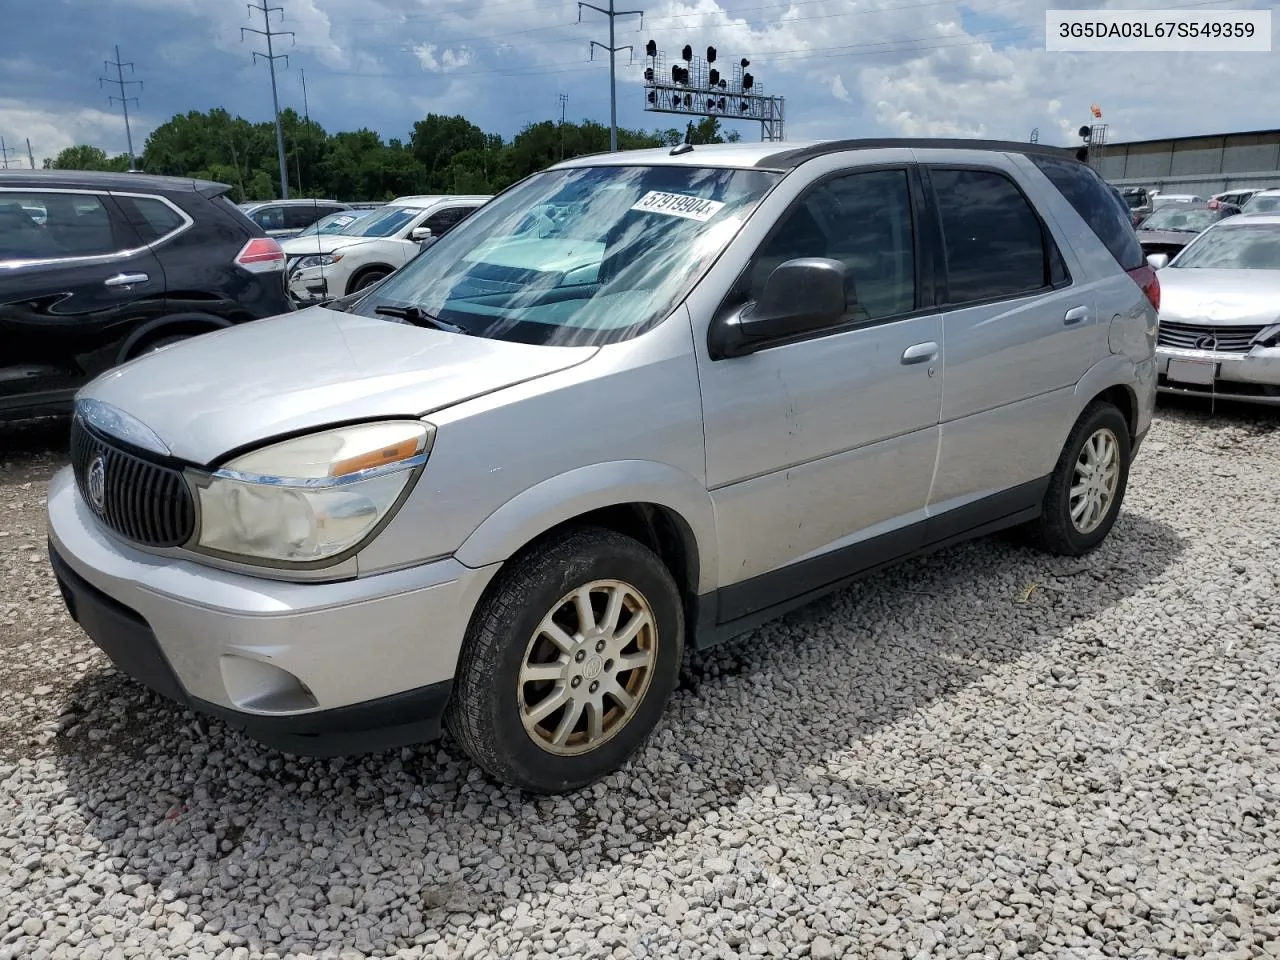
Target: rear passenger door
{"points": [[1020, 332], [75, 278]]}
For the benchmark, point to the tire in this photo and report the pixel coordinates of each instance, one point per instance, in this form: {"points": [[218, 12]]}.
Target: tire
{"points": [[367, 279], [1056, 531], [493, 713]]}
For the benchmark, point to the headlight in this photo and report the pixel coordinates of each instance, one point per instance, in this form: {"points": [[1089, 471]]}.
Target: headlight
{"points": [[319, 260], [312, 498]]}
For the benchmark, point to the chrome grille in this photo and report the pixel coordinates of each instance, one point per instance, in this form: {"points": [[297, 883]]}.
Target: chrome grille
{"points": [[1191, 336], [140, 500]]}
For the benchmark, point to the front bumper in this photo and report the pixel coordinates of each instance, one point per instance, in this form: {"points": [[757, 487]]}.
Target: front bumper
{"points": [[312, 668], [308, 285], [1253, 377]]}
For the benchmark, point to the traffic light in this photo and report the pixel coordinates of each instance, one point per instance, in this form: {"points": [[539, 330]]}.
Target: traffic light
{"points": [[687, 53], [651, 49], [1082, 153], [711, 54], [714, 77]]}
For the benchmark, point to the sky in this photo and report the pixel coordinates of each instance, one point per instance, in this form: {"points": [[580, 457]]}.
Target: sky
{"points": [[847, 68]]}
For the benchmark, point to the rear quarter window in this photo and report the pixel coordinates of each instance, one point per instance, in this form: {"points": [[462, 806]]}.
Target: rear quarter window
{"points": [[1107, 216]]}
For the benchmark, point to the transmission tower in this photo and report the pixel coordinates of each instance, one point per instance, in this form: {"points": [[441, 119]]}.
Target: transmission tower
{"points": [[614, 50], [271, 57], [564, 100], [4, 153], [120, 83]]}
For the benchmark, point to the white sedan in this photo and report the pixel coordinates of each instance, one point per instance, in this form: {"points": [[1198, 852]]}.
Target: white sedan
{"points": [[323, 267]]}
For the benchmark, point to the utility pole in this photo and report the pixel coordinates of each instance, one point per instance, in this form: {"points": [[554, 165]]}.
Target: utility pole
{"points": [[31, 157], [306, 113], [121, 83], [613, 15], [564, 99], [271, 57], [4, 153]]}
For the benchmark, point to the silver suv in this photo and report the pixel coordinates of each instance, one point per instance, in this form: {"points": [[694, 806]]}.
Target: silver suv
{"points": [[636, 404]]}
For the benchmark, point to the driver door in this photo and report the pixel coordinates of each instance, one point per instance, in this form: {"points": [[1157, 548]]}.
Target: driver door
{"points": [[820, 452]]}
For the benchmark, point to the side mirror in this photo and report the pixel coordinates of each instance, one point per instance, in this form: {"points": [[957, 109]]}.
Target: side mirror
{"points": [[800, 295], [420, 233], [1157, 261]]}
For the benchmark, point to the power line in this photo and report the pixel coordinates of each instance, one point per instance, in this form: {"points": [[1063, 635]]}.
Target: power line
{"points": [[271, 57], [613, 15], [121, 83]]}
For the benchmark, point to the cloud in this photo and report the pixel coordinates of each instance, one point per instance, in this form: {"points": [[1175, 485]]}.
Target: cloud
{"points": [[443, 62], [846, 67], [54, 127]]}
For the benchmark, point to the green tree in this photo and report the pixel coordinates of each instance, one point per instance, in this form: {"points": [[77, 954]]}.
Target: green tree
{"points": [[85, 157]]}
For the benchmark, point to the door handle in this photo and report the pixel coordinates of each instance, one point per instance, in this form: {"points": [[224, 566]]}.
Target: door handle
{"points": [[1075, 315], [920, 353], [125, 280]]}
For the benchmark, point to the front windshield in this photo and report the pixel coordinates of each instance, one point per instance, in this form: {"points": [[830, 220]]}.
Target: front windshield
{"points": [[384, 223], [1261, 204], [325, 226], [581, 256], [1180, 220], [1234, 247]]}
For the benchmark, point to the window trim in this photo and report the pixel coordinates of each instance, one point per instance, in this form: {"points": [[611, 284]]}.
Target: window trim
{"points": [[940, 264], [187, 223], [718, 342]]}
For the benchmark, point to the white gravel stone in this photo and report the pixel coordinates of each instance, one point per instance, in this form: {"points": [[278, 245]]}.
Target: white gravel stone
{"points": [[985, 753]]}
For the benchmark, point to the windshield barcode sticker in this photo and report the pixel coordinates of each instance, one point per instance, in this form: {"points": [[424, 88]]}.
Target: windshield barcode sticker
{"points": [[678, 205]]}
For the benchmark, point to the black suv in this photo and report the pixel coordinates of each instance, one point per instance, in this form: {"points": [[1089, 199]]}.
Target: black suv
{"points": [[98, 268]]}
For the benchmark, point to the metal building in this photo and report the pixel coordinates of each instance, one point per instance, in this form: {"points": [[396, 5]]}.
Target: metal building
{"points": [[1201, 165]]}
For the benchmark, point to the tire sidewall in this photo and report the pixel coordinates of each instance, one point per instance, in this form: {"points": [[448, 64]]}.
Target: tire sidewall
{"points": [[613, 561], [368, 279], [1110, 418]]}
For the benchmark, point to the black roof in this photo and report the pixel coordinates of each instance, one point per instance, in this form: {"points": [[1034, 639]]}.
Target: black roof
{"points": [[100, 180], [785, 159]]}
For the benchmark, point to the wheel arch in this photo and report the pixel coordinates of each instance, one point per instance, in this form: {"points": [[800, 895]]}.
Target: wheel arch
{"points": [[191, 322], [664, 508], [1112, 380], [365, 269]]}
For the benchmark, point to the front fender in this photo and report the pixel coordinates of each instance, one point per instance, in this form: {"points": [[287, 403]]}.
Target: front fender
{"points": [[551, 502]]}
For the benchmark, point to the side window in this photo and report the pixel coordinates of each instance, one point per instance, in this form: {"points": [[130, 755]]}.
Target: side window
{"points": [[269, 218], [46, 225], [150, 217], [862, 220], [302, 215], [992, 240], [1109, 219], [443, 221]]}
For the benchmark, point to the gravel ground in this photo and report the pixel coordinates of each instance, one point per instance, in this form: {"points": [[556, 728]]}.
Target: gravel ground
{"points": [[987, 753]]}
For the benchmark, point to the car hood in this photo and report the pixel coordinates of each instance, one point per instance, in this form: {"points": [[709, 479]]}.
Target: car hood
{"points": [[310, 246], [302, 371], [1220, 297]]}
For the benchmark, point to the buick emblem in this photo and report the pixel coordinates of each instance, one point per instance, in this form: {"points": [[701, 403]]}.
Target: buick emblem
{"points": [[97, 482]]}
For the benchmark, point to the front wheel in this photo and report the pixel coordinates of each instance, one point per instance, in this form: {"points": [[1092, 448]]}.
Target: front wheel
{"points": [[367, 279], [1087, 485], [569, 662]]}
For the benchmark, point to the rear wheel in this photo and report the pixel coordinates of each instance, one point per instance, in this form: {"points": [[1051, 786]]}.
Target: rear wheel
{"points": [[569, 662], [1088, 484]]}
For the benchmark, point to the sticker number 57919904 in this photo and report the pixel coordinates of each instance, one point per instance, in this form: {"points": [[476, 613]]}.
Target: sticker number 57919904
{"points": [[678, 205]]}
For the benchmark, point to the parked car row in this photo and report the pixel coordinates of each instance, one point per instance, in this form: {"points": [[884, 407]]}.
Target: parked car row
{"points": [[363, 252]]}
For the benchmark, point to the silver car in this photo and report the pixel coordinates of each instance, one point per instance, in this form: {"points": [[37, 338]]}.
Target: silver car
{"points": [[638, 403], [1220, 313]]}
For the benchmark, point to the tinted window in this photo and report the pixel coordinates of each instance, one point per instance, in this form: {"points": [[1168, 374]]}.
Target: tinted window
{"points": [[303, 215], [151, 218], [269, 218], [43, 225], [442, 222], [1096, 205], [992, 240], [862, 220]]}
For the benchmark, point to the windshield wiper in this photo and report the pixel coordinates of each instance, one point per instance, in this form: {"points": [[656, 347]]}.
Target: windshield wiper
{"points": [[420, 318]]}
